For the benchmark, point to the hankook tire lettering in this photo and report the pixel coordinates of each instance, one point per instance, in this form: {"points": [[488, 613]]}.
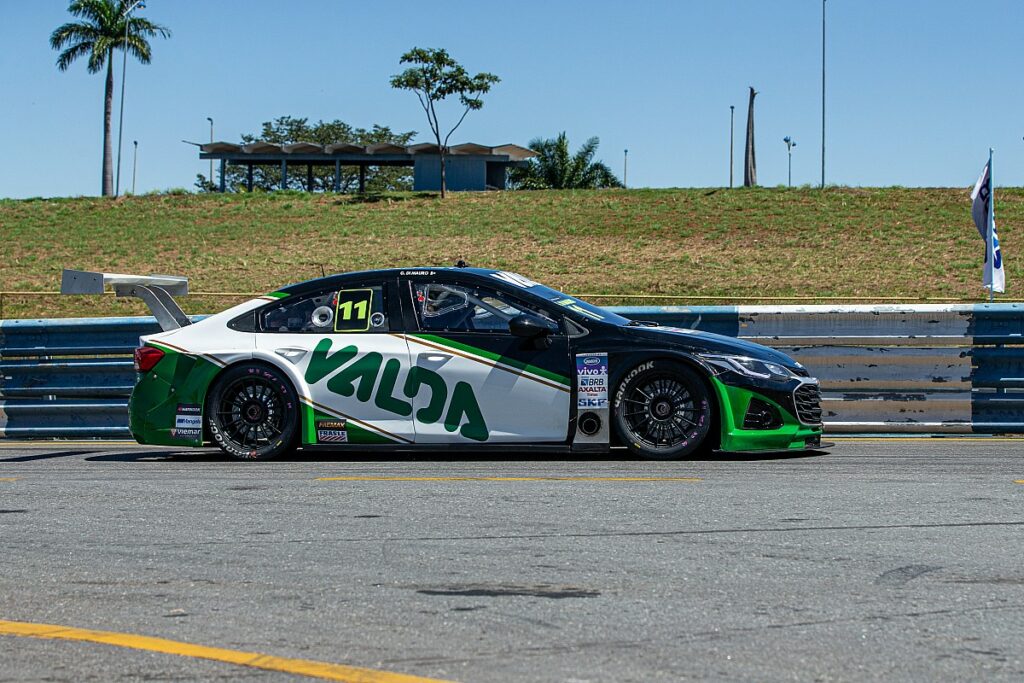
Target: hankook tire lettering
{"points": [[625, 380]]}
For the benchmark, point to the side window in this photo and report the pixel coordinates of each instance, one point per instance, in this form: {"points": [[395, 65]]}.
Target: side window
{"points": [[357, 309], [458, 308]]}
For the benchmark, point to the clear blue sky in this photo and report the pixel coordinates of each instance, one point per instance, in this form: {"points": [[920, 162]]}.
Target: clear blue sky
{"points": [[918, 89]]}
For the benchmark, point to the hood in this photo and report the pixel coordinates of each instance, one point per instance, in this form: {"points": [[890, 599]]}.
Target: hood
{"points": [[709, 342]]}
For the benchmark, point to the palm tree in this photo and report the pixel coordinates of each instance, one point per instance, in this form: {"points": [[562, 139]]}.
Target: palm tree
{"points": [[105, 28], [555, 168]]}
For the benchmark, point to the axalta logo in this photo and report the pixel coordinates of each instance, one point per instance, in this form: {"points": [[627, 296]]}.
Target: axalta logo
{"points": [[360, 378]]}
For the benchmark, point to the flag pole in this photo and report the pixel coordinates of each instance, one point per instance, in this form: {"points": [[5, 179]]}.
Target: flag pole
{"points": [[991, 218]]}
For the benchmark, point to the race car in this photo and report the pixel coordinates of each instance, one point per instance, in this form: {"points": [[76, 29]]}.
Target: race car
{"points": [[451, 358]]}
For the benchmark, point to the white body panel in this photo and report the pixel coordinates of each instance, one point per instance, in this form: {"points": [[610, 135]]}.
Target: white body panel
{"points": [[284, 348], [517, 406], [211, 338]]}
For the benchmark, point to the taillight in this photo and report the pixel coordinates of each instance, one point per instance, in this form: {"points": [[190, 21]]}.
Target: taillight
{"points": [[146, 357]]}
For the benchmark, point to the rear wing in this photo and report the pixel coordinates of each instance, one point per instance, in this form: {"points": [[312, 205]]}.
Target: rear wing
{"points": [[158, 291]]}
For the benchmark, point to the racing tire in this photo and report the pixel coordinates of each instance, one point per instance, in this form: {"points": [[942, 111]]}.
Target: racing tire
{"points": [[253, 412], [662, 410]]}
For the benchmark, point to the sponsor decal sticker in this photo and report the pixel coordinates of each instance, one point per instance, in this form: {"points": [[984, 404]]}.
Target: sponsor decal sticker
{"points": [[188, 421], [592, 380], [331, 431], [350, 372]]}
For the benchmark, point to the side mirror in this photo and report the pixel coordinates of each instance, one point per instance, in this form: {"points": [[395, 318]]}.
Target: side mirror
{"points": [[530, 326]]}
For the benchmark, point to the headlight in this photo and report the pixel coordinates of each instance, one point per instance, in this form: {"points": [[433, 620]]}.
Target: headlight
{"points": [[751, 367]]}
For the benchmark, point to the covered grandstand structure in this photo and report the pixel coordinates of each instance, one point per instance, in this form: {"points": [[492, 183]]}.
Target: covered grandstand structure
{"points": [[468, 167]]}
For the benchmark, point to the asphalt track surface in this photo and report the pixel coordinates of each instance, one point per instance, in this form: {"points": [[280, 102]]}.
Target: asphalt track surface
{"points": [[897, 559]]}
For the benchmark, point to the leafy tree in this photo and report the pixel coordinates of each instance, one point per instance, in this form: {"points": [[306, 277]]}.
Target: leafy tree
{"points": [[435, 77], [102, 30], [556, 169], [287, 130]]}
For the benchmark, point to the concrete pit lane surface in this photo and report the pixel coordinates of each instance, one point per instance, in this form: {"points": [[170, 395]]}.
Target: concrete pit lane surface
{"points": [[897, 559]]}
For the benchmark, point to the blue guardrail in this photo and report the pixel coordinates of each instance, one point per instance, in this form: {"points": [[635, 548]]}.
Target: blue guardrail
{"points": [[930, 368]]}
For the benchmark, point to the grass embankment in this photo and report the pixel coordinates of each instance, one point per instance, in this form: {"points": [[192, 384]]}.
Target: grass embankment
{"points": [[737, 244]]}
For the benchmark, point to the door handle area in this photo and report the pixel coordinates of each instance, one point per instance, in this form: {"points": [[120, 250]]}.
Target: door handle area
{"points": [[435, 358]]}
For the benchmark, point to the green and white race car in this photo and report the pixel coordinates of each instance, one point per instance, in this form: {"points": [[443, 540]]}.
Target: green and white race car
{"points": [[450, 358]]}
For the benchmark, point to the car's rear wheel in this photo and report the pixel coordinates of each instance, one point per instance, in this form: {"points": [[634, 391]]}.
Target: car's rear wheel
{"points": [[253, 412], [662, 410]]}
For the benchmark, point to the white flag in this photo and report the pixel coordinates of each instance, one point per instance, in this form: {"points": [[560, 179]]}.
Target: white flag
{"points": [[984, 218]]}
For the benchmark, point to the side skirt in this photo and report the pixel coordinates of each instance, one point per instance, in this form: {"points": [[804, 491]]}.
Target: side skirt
{"points": [[437, 448]]}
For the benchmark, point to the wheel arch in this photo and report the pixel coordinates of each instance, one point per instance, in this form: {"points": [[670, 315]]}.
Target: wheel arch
{"points": [[628, 360], [294, 378]]}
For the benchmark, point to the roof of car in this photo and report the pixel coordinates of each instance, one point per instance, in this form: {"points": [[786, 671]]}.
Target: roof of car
{"points": [[300, 287]]}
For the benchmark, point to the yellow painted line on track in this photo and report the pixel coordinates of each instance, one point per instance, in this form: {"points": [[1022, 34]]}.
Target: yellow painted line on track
{"points": [[300, 667], [1019, 481], [8, 479], [690, 479]]}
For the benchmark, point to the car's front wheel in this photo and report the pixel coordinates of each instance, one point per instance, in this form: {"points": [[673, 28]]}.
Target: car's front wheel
{"points": [[252, 412], [662, 410]]}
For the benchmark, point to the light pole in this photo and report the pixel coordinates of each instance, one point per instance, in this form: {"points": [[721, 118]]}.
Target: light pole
{"points": [[732, 121], [625, 166], [211, 142], [823, 94], [790, 144], [124, 67], [135, 163]]}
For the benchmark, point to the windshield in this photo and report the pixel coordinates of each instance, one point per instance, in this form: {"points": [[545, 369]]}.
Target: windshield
{"points": [[585, 309]]}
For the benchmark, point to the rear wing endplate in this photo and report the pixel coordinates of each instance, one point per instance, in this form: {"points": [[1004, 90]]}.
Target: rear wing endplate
{"points": [[158, 291]]}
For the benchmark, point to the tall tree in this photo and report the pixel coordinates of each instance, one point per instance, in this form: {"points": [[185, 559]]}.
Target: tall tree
{"points": [[556, 168], [434, 77], [286, 130], [104, 27]]}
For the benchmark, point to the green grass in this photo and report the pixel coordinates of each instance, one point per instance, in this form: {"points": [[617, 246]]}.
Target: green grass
{"points": [[740, 245]]}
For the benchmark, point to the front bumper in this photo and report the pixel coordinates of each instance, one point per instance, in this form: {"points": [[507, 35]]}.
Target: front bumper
{"points": [[735, 399]]}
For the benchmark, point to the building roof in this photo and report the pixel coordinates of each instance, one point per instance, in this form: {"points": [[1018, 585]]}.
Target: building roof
{"points": [[513, 152]]}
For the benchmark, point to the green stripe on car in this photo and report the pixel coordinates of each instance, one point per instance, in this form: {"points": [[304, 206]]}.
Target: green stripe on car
{"points": [[490, 355]]}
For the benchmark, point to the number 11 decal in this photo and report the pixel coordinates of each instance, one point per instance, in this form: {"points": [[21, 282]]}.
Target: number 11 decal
{"points": [[353, 310]]}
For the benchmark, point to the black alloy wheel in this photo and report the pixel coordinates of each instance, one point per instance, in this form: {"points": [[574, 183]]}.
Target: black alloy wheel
{"points": [[253, 412], [662, 410]]}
